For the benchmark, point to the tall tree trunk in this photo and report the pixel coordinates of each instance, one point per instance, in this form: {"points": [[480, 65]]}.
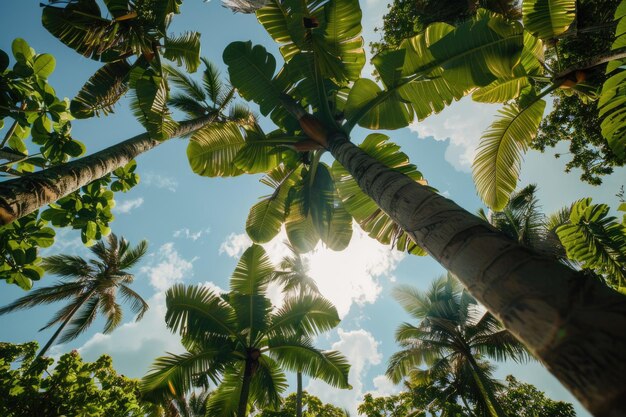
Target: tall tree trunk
{"points": [[22, 196], [574, 325], [299, 395], [245, 388]]}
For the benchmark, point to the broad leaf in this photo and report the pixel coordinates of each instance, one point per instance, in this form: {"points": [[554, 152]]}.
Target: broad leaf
{"points": [[259, 153], [548, 19], [372, 219], [149, 103], [212, 150], [498, 161]]}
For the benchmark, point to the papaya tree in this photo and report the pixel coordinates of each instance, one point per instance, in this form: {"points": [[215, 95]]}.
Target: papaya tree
{"points": [[543, 302]]}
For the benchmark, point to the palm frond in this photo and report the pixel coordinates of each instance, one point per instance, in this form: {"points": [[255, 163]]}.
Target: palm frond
{"points": [[213, 85], [184, 49], [307, 314], [45, 295], [67, 266], [130, 256], [191, 88], [83, 318], [102, 91], [267, 384], [137, 304]]}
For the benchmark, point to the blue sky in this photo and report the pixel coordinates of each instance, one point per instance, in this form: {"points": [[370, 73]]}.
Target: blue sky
{"points": [[195, 225]]}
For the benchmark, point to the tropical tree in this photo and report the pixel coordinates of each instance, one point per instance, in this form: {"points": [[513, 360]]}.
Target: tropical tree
{"points": [[208, 105], [91, 286], [71, 388], [525, 400], [320, 43], [452, 338], [237, 339], [294, 278], [193, 405]]}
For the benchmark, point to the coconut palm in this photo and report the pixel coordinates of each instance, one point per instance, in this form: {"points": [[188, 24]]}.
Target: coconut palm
{"points": [[295, 280], [237, 340], [91, 286], [453, 337]]}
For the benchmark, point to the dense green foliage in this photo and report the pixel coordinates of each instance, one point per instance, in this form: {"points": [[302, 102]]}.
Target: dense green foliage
{"points": [[71, 388], [90, 286], [312, 406], [517, 399]]}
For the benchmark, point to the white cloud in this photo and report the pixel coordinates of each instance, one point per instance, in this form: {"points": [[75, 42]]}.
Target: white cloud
{"points": [[235, 245], [384, 387], [128, 205], [463, 124], [169, 268], [159, 181], [360, 347], [345, 278], [192, 235]]}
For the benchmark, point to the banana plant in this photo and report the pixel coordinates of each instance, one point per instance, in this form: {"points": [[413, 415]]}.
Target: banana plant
{"points": [[317, 94], [136, 29]]}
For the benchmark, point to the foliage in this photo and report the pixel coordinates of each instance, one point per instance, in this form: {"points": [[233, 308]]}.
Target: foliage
{"points": [[572, 119], [238, 340], [576, 42], [407, 18], [517, 399], [451, 339], [72, 388], [597, 241], [90, 286], [313, 407], [27, 98], [19, 244], [525, 400], [135, 28]]}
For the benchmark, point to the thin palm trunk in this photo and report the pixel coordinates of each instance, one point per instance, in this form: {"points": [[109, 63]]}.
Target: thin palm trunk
{"points": [[573, 324], [492, 404], [245, 388], [62, 326], [22, 196], [299, 395]]}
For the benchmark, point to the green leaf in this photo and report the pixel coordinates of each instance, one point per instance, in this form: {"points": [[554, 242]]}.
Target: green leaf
{"points": [[596, 240], [149, 103], [184, 49], [258, 154], [44, 65], [22, 52], [548, 18], [4, 61], [498, 161], [102, 91], [251, 71], [267, 216], [392, 113], [477, 52], [366, 213], [212, 150]]}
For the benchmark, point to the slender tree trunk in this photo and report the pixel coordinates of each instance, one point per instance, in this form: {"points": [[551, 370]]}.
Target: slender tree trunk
{"points": [[299, 395], [22, 196], [574, 325], [62, 326], [245, 388], [493, 406]]}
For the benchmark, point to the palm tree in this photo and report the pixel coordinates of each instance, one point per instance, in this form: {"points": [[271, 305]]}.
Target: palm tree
{"points": [[207, 105], [236, 339], [294, 278], [194, 405], [91, 286], [453, 336]]}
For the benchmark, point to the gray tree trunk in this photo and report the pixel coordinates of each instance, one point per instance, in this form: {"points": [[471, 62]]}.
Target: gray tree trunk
{"points": [[576, 326], [21, 196]]}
